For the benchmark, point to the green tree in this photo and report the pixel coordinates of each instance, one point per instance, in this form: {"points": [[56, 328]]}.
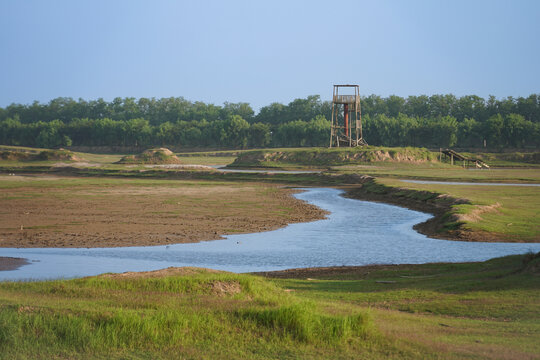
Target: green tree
{"points": [[237, 132], [317, 131], [137, 132], [445, 131], [243, 110], [50, 135], [259, 135], [469, 133], [493, 129], [395, 105], [514, 132]]}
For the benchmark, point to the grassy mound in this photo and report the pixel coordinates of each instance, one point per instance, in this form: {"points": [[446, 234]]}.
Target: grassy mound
{"points": [[152, 156], [331, 157], [45, 155], [180, 314]]}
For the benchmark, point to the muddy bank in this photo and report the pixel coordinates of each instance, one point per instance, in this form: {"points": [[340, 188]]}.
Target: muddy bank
{"points": [[333, 271], [444, 224], [126, 213], [10, 263]]}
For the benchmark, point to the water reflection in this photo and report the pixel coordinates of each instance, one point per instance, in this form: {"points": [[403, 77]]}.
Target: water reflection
{"points": [[355, 233]]}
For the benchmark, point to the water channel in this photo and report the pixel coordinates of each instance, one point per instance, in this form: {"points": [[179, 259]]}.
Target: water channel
{"points": [[355, 233]]}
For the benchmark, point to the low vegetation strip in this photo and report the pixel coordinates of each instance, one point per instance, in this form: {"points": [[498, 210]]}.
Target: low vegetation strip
{"points": [[330, 157]]}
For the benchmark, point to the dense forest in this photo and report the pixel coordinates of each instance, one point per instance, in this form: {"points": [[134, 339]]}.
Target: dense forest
{"points": [[429, 121]]}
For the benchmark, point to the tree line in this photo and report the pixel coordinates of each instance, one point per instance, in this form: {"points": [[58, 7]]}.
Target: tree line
{"points": [[430, 121]]}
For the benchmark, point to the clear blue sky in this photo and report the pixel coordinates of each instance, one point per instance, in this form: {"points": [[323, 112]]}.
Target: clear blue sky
{"points": [[265, 51]]}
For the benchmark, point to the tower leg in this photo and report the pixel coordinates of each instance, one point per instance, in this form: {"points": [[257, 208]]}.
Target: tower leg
{"points": [[346, 118]]}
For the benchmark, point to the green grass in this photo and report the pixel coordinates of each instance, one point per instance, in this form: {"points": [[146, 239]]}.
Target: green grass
{"points": [[469, 310], [431, 311], [511, 159], [444, 172], [515, 218], [206, 160], [204, 315]]}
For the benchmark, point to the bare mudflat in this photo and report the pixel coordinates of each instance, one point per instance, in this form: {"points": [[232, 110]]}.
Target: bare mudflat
{"points": [[75, 212], [11, 263]]}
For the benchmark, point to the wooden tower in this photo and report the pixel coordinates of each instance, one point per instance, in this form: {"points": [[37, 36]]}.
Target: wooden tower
{"points": [[346, 127]]}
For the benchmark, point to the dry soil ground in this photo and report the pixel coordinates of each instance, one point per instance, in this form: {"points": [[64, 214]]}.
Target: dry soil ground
{"points": [[68, 212]]}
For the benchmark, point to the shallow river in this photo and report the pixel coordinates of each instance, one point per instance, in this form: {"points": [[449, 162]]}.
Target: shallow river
{"points": [[355, 233]]}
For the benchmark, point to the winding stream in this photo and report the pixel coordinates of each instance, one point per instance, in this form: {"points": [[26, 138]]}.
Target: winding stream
{"points": [[355, 233]]}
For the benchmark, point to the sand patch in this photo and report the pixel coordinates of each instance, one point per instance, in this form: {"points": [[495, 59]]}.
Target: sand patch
{"points": [[475, 214]]}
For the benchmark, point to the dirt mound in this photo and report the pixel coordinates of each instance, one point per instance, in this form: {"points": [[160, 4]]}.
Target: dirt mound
{"points": [[152, 156], [45, 155], [330, 157], [170, 271], [225, 287]]}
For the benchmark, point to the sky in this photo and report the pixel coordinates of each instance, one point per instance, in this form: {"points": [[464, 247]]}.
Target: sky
{"points": [[266, 51]]}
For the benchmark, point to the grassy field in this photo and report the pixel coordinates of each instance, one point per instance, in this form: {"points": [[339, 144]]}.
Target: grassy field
{"points": [[443, 172], [472, 310], [432, 311], [508, 213]]}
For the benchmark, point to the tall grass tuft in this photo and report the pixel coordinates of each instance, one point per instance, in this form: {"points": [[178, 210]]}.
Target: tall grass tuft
{"points": [[303, 323]]}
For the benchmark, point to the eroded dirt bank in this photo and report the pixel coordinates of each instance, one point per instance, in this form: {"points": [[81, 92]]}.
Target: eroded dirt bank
{"points": [[444, 224], [82, 213]]}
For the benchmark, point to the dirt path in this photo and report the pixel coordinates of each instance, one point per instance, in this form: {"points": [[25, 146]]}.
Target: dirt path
{"points": [[48, 213]]}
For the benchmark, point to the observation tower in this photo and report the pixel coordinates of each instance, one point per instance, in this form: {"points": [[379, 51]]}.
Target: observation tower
{"points": [[346, 127]]}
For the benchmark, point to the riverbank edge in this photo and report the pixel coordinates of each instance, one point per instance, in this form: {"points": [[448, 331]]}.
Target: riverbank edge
{"points": [[445, 224]]}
